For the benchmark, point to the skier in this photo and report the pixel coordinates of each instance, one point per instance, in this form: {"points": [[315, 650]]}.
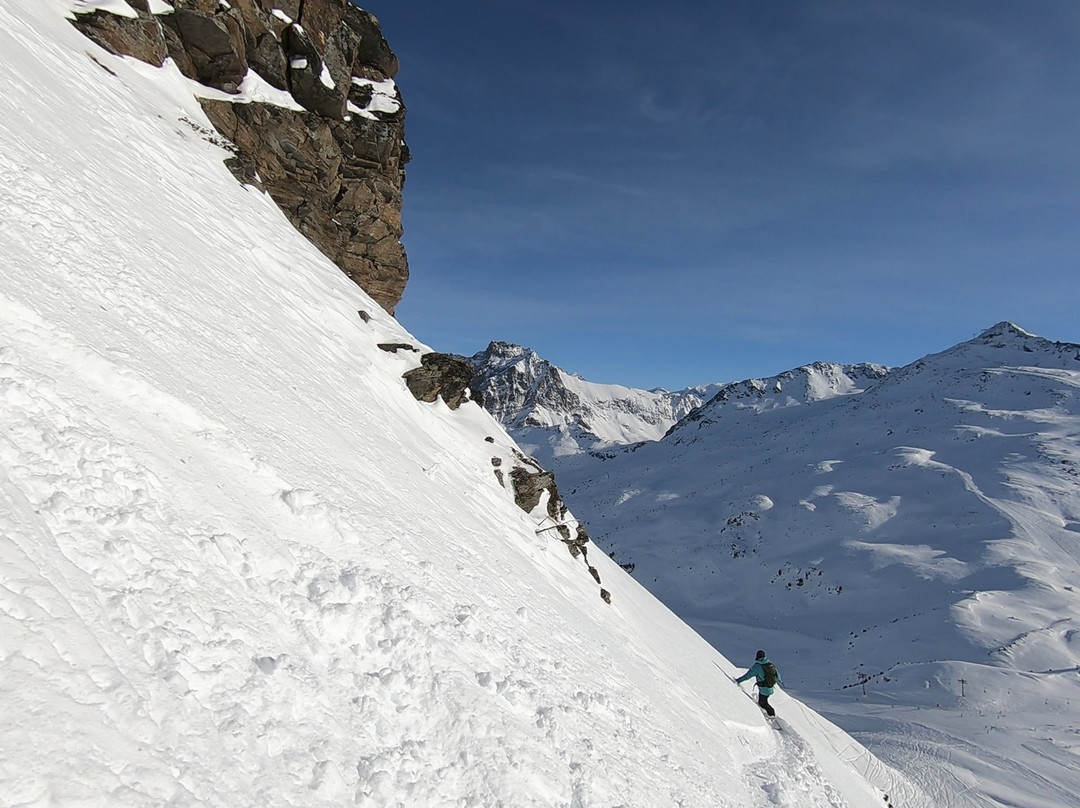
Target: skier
{"points": [[766, 675]]}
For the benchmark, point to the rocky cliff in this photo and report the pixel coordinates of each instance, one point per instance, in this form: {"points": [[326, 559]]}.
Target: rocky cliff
{"points": [[333, 160]]}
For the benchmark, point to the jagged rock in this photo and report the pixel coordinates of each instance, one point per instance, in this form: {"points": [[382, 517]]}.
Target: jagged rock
{"points": [[578, 544], [338, 182], [290, 8], [214, 45], [373, 49], [139, 37], [394, 347], [262, 32], [530, 485], [266, 57], [336, 170], [440, 375], [201, 6], [310, 80]]}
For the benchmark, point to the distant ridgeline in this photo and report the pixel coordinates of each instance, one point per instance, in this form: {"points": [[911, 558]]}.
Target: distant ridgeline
{"points": [[555, 414], [325, 134]]}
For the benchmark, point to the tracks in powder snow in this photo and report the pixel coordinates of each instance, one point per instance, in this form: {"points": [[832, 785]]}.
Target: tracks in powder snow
{"points": [[793, 769], [239, 656]]}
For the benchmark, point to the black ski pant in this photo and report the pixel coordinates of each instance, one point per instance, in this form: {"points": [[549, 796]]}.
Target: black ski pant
{"points": [[763, 703]]}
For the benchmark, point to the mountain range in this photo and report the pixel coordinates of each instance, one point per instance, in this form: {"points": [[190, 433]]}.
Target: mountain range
{"points": [[905, 542], [553, 413]]}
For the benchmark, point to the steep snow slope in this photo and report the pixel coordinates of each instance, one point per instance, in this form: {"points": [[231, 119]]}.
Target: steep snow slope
{"points": [[909, 554], [241, 565], [552, 413]]}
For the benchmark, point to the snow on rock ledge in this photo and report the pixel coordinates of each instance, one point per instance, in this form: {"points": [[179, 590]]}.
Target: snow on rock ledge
{"points": [[332, 155]]}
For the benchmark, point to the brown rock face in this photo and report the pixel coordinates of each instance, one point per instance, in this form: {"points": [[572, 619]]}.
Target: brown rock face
{"points": [[336, 168], [441, 375], [140, 37]]}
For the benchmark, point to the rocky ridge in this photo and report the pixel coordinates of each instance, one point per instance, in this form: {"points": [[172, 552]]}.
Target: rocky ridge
{"points": [[803, 385], [555, 413], [332, 156]]}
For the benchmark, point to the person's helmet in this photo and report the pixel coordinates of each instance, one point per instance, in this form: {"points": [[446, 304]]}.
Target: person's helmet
{"points": [[760, 655]]}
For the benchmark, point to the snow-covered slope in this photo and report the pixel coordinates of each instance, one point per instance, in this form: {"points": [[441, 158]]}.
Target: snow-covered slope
{"points": [[909, 555], [241, 566], [552, 413], [805, 385]]}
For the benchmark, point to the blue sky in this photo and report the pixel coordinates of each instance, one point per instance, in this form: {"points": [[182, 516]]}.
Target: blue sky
{"points": [[680, 193]]}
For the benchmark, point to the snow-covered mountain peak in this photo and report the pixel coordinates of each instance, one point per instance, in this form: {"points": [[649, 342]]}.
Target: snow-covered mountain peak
{"points": [[512, 380], [554, 413], [819, 381], [508, 358], [1004, 343], [1005, 329], [498, 354], [1006, 336], [971, 366]]}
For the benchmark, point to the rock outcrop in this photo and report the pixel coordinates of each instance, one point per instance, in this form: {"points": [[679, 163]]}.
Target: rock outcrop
{"points": [[140, 36], [333, 160], [441, 375], [535, 489]]}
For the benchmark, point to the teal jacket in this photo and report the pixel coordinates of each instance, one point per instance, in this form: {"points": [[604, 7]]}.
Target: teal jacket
{"points": [[757, 671]]}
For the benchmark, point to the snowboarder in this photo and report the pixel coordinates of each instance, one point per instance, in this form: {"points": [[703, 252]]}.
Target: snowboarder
{"points": [[766, 676]]}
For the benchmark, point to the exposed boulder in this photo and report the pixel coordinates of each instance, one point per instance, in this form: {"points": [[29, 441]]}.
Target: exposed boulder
{"points": [[213, 44], [440, 375], [310, 80], [336, 168], [140, 37], [529, 486]]}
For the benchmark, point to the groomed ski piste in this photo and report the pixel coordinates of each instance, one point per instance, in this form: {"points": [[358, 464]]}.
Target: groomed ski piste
{"points": [[241, 565]]}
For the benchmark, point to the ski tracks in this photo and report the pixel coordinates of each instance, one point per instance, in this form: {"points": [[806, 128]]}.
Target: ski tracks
{"points": [[792, 778]]}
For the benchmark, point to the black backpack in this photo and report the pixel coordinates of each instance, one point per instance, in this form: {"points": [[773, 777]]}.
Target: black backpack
{"points": [[771, 677]]}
